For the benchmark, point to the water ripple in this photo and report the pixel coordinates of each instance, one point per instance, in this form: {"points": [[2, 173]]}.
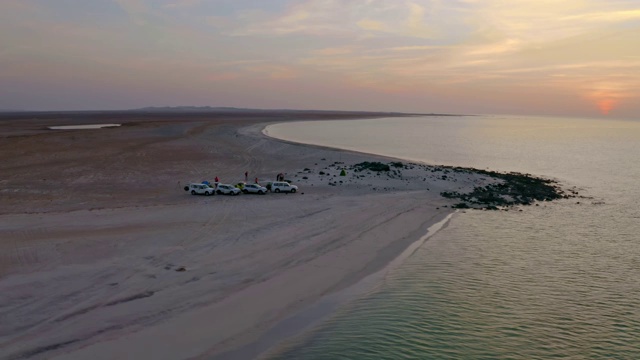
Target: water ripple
{"points": [[546, 293], [554, 281]]}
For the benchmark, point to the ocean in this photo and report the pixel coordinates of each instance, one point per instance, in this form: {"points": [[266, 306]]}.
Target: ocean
{"points": [[558, 280]]}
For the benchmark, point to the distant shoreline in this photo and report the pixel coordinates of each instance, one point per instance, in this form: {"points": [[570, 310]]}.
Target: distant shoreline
{"points": [[213, 110]]}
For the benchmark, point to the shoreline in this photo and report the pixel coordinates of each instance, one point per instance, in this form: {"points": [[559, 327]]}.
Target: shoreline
{"points": [[512, 189], [132, 260], [249, 262], [303, 322]]}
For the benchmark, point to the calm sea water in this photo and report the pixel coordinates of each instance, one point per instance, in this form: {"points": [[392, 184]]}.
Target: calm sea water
{"points": [[560, 280]]}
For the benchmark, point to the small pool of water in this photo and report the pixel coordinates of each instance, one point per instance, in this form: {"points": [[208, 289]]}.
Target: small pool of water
{"points": [[81, 127]]}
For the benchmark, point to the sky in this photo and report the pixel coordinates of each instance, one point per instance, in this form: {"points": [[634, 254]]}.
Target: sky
{"points": [[538, 57]]}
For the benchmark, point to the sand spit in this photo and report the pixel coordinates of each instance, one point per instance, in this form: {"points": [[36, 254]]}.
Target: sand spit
{"points": [[103, 255]]}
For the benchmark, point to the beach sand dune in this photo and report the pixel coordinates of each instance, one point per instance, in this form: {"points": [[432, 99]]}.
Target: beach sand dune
{"points": [[104, 256]]}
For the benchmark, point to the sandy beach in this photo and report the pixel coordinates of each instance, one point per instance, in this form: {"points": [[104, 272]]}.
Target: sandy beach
{"points": [[103, 255]]}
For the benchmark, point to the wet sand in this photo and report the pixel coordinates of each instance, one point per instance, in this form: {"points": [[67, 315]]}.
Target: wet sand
{"points": [[95, 231]]}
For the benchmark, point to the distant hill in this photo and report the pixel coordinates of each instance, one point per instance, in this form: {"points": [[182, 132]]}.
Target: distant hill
{"points": [[190, 109], [234, 111], [218, 109]]}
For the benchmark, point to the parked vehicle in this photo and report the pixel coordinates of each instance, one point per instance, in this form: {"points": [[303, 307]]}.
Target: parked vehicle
{"points": [[282, 186], [200, 189], [227, 189], [254, 189]]}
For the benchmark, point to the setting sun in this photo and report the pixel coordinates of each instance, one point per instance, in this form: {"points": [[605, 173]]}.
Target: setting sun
{"points": [[606, 105]]}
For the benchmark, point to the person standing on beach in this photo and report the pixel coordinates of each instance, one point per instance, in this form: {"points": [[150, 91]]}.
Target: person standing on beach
{"points": [[217, 180], [256, 180]]}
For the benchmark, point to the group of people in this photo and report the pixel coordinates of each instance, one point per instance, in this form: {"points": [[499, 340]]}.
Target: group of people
{"points": [[279, 177]]}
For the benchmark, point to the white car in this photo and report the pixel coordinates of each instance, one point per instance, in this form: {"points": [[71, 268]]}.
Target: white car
{"points": [[227, 189], [282, 186], [200, 189], [254, 189]]}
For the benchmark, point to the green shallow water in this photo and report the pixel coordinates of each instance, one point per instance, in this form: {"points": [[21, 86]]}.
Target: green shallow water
{"points": [[559, 280], [511, 296]]}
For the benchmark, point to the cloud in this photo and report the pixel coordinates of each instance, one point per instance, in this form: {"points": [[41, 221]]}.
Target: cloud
{"points": [[484, 48], [334, 51], [372, 25], [223, 77], [348, 18], [416, 24], [548, 20], [137, 10], [178, 4], [309, 17], [605, 16], [413, 48], [274, 71]]}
